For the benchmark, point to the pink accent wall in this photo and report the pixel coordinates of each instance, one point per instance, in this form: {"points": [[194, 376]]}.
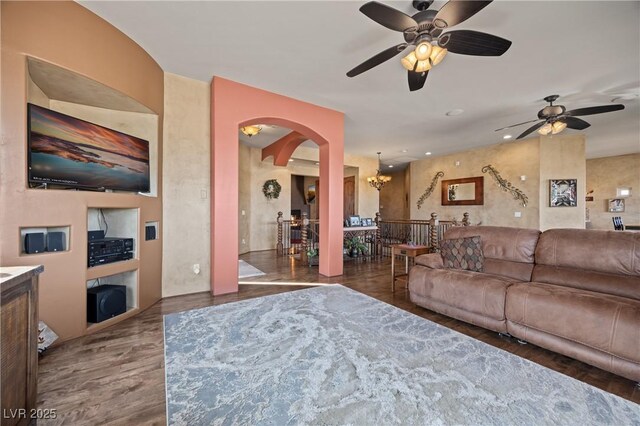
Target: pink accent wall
{"points": [[234, 105]]}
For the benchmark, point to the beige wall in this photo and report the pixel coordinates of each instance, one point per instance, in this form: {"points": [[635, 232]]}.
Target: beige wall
{"points": [[562, 157], [244, 200], [55, 32], [393, 200], [512, 160], [367, 198], [186, 207], [606, 174]]}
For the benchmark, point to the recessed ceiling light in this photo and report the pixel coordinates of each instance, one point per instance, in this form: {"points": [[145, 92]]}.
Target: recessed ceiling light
{"points": [[507, 137], [404, 150], [317, 164], [427, 153], [391, 166], [456, 111], [290, 160]]}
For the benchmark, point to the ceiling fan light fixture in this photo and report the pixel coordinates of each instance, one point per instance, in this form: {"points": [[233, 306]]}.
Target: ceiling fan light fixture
{"points": [[251, 130], [558, 126], [409, 61], [423, 66], [437, 54], [423, 50], [546, 129]]}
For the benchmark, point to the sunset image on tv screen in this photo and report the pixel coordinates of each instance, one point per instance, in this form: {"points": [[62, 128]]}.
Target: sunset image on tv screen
{"points": [[72, 152]]}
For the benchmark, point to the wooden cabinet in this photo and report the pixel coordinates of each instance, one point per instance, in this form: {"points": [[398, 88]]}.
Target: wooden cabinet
{"points": [[18, 343]]}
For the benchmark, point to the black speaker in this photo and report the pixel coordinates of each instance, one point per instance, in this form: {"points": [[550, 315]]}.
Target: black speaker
{"points": [[55, 241], [106, 301], [34, 242], [149, 232]]}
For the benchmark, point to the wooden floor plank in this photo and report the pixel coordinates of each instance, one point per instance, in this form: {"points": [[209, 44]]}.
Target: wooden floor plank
{"points": [[116, 376]]}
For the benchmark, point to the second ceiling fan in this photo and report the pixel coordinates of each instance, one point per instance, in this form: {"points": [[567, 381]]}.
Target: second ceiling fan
{"points": [[423, 32]]}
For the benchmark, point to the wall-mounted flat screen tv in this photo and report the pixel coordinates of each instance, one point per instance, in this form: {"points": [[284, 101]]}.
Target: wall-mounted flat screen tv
{"points": [[70, 152]]}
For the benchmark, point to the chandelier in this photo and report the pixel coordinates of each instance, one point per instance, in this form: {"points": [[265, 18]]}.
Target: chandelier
{"points": [[251, 130], [379, 180]]}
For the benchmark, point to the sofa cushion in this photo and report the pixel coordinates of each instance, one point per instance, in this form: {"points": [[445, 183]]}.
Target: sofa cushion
{"points": [[430, 260], [607, 323], [501, 242], [475, 292], [463, 253], [507, 251], [602, 261]]}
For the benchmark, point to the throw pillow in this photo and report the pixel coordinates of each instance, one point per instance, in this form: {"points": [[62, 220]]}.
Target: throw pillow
{"points": [[463, 253]]}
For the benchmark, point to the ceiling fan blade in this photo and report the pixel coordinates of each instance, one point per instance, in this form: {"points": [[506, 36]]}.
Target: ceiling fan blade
{"points": [[467, 42], [388, 16], [516, 125], [417, 80], [456, 11], [575, 123], [594, 110], [376, 60], [531, 129]]}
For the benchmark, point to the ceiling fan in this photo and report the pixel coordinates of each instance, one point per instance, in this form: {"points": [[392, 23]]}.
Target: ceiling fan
{"points": [[556, 118], [424, 31]]}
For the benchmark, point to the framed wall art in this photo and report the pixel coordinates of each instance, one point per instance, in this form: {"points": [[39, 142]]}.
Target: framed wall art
{"points": [[616, 205], [563, 192]]}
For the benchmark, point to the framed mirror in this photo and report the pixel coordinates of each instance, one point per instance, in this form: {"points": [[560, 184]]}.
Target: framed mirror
{"points": [[463, 192]]}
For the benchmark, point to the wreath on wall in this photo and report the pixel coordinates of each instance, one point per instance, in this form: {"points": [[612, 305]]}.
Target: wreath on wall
{"points": [[271, 189]]}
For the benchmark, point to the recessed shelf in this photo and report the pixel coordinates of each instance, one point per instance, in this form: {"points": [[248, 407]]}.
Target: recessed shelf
{"points": [[48, 239], [112, 268], [129, 280], [93, 327]]}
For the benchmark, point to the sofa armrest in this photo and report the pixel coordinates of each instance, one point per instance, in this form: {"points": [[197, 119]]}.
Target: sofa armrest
{"points": [[431, 260]]}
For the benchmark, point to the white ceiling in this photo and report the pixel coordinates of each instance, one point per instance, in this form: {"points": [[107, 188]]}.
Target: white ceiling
{"points": [[586, 51]]}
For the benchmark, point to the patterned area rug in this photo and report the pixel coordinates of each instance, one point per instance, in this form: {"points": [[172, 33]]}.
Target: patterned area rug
{"points": [[246, 270], [332, 356]]}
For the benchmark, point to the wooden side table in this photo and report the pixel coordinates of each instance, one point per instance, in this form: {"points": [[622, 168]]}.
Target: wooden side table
{"points": [[407, 251]]}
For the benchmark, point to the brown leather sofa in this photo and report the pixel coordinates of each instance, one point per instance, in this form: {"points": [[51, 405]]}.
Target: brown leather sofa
{"points": [[575, 292]]}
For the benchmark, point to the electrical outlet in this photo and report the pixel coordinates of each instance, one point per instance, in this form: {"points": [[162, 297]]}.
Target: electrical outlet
{"points": [[517, 214], [196, 268], [243, 241], [203, 194], [243, 213]]}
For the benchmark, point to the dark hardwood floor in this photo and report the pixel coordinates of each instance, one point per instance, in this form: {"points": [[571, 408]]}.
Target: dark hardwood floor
{"points": [[116, 376]]}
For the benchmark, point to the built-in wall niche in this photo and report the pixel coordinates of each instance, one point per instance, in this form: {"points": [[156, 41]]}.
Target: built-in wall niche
{"points": [[151, 230], [128, 279], [115, 222], [66, 92], [46, 239]]}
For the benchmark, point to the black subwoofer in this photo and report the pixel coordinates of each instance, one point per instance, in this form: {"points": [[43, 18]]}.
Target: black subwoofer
{"points": [[106, 301]]}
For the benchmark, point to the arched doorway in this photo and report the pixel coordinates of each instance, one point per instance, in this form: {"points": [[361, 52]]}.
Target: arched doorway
{"points": [[234, 105]]}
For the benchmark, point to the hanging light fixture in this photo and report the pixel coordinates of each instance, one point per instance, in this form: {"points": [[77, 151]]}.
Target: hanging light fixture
{"points": [[379, 180], [251, 130], [423, 57], [553, 128]]}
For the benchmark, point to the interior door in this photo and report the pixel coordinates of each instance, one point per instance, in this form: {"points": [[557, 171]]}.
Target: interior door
{"points": [[349, 197]]}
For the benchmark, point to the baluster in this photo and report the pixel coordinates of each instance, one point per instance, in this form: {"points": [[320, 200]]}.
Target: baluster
{"points": [[279, 246], [465, 219], [304, 245], [433, 233], [378, 243]]}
